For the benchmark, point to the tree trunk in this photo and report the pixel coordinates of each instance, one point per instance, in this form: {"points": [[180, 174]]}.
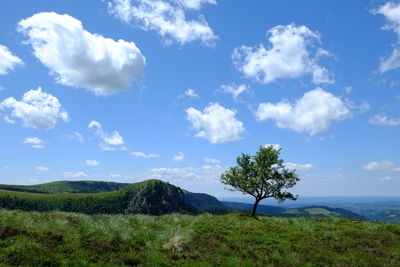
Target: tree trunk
{"points": [[255, 207]]}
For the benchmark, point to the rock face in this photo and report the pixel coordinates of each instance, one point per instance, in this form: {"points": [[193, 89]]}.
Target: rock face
{"points": [[156, 198]]}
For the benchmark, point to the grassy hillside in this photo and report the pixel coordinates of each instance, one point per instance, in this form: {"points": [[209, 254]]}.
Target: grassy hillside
{"points": [[54, 239], [67, 187], [153, 197]]}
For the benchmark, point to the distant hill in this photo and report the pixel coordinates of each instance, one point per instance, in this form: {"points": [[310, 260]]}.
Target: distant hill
{"points": [[322, 211], [67, 187], [310, 211], [205, 202], [153, 197], [264, 209]]}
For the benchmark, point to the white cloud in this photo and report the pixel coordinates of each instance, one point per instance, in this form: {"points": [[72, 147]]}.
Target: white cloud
{"points": [[74, 174], [168, 18], [203, 174], [234, 90], [299, 167], [34, 142], [391, 11], [81, 59], [8, 120], [92, 162], [312, 113], [191, 93], [8, 61], [348, 89], [113, 141], [77, 136], [145, 156], [274, 146], [293, 54], [179, 157], [41, 169], [382, 120], [37, 109], [386, 165], [216, 123], [194, 4], [211, 160], [385, 179]]}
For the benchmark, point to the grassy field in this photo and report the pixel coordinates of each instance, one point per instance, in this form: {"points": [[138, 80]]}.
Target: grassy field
{"points": [[58, 187], [54, 239], [38, 196]]}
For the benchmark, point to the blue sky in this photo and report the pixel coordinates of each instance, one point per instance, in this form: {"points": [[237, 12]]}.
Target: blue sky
{"points": [[176, 89]]}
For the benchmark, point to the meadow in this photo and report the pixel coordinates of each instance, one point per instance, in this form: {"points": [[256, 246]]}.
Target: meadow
{"points": [[71, 239]]}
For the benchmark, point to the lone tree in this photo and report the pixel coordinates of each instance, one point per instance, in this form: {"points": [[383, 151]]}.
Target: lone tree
{"points": [[262, 176]]}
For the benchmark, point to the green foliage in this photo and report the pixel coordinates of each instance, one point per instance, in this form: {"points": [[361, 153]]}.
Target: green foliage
{"points": [[68, 239], [261, 176]]}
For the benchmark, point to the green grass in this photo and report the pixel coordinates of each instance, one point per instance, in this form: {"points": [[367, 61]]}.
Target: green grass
{"points": [[68, 239], [37, 196], [67, 187], [147, 197]]}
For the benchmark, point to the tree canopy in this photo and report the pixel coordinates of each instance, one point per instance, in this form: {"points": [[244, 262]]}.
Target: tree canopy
{"points": [[262, 176]]}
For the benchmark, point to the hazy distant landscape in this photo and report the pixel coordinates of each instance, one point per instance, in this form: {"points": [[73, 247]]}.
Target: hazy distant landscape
{"points": [[379, 209]]}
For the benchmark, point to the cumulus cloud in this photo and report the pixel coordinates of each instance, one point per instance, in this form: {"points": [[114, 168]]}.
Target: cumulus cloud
{"points": [[203, 174], [386, 165], [194, 4], [215, 123], [34, 142], [81, 59], [313, 113], [234, 90], [8, 61], [293, 53], [92, 163], [391, 12], [144, 155], [8, 120], [211, 160], [191, 93], [382, 120], [179, 157], [299, 167], [113, 141], [41, 169], [274, 146], [168, 18], [37, 109]]}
